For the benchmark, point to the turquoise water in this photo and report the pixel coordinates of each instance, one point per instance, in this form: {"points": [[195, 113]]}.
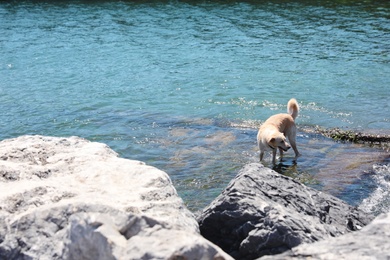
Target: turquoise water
{"points": [[183, 85]]}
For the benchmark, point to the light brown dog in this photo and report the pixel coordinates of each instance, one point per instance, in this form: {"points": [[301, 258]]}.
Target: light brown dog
{"points": [[273, 132]]}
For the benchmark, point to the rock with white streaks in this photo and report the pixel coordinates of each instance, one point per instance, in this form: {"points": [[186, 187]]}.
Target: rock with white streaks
{"points": [[68, 198], [371, 242], [264, 213]]}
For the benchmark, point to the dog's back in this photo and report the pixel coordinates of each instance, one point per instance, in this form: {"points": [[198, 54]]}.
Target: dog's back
{"points": [[283, 122]]}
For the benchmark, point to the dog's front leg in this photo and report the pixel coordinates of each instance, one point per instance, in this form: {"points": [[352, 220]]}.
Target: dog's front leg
{"points": [[274, 156], [281, 153]]}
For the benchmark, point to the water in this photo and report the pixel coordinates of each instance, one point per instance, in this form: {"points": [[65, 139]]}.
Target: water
{"points": [[378, 201], [184, 85]]}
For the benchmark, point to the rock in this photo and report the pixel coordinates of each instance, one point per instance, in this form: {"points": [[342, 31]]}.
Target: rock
{"points": [[379, 138], [369, 243], [263, 213], [68, 198]]}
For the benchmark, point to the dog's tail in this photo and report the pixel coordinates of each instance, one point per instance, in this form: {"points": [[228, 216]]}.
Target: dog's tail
{"points": [[293, 108]]}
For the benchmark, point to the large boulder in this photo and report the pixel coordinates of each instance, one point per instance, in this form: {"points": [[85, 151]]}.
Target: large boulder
{"points": [[369, 243], [68, 198], [262, 212]]}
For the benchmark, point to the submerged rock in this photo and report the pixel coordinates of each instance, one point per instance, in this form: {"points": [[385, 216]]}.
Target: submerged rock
{"points": [[263, 213], [68, 198], [381, 139]]}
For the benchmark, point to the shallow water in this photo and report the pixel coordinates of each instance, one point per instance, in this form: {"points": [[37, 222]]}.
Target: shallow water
{"points": [[183, 85]]}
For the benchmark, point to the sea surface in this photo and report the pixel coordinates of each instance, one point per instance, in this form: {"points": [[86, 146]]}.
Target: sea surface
{"points": [[184, 85]]}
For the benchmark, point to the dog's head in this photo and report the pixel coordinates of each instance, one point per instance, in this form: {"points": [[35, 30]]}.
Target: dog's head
{"points": [[279, 141]]}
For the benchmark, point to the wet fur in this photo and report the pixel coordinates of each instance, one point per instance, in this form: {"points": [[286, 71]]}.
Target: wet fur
{"points": [[273, 132]]}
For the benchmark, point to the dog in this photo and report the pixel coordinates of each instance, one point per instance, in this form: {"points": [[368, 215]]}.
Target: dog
{"points": [[273, 132]]}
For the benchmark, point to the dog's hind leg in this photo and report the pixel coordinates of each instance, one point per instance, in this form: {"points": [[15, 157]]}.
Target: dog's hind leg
{"points": [[292, 138], [261, 155], [294, 147]]}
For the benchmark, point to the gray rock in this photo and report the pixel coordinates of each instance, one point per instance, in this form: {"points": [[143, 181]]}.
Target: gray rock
{"points": [[68, 198], [263, 213], [372, 242]]}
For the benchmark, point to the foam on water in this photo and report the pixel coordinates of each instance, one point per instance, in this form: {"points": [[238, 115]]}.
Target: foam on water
{"points": [[379, 200]]}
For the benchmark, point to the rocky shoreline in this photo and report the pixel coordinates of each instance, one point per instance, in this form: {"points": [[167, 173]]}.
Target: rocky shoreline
{"points": [[68, 198]]}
